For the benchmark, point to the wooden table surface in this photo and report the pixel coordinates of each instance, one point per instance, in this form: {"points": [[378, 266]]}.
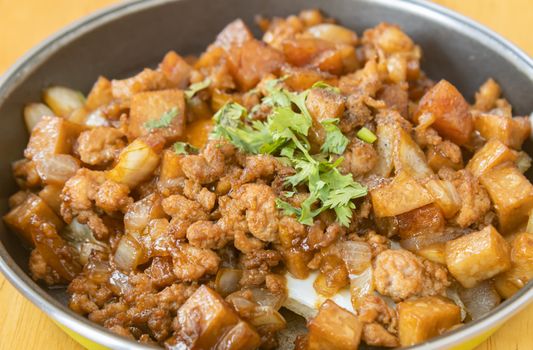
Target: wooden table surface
{"points": [[23, 23]]}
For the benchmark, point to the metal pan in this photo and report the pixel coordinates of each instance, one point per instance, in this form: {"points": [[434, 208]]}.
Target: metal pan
{"points": [[135, 34]]}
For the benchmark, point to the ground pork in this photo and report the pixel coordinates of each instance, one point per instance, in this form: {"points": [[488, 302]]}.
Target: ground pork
{"points": [[259, 166], [207, 234], [359, 158], [191, 263], [210, 164], [400, 275], [99, 146], [40, 270], [194, 191]]}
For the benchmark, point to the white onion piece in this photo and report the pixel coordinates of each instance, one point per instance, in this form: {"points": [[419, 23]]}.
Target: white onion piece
{"points": [[56, 169], [264, 297], [480, 299], [523, 162], [446, 196], [128, 254], [418, 242], [267, 319], [227, 281], [361, 285], [33, 113], [136, 163], [120, 281], [98, 271], [454, 295], [355, 254], [63, 100], [96, 118], [333, 33]]}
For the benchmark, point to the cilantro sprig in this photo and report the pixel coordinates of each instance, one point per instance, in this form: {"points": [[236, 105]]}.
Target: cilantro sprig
{"points": [[194, 88], [285, 134], [184, 148], [164, 121]]}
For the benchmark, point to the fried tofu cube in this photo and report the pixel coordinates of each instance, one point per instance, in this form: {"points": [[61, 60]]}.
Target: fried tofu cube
{"points": [[19, 218], [170, 172], [510, 131], [477, 256], [424, 318], [147, 80], [453, 119], [324, 104], [240, 337], [401, 195], [303, 78], [52, 135], [296, 261], [521, 270], [512, 195], [153, 106], [176, 69], [334, 328], [493, 153], [205, 318], [423, 220], [100, 94]]}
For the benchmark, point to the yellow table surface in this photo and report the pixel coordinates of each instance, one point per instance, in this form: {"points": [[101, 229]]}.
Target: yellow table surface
{"points": [[23, 23]]}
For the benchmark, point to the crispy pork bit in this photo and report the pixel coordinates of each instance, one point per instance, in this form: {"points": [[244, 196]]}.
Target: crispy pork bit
{"points": [[424, 318], [477, 256]]}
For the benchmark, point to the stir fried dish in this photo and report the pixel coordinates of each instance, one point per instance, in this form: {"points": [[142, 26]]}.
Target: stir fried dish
{"points": [[314, 169]]}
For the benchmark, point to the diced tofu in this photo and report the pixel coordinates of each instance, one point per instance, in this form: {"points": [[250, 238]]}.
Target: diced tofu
{"points": [[252, 61], [296, 261], [170, 172], [323, 104], [19, 218], [301, 78], [511, 131], [424, 318], [477, 256], [334, 328], [493, 153], [401, 195], [240, 337], [512, 195], [205, 320], [51, 196], [198, 132], [423, 220], [176, 69], [153, 105], [409, 156], [437, 159], [434, 252], [521, 270], [147, 80], [453, 119], [487, 95], [235, 33], [52, 135], [100, 94]]}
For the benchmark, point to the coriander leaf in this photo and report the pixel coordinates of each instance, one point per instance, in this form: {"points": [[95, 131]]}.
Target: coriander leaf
{"points": [[194, 88], [184, 148], [326, 86], [344, 214], [284, 119], [335, 141], [286, 208], [164, 121]]}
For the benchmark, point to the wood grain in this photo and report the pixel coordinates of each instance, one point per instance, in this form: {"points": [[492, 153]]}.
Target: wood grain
{"points": [[23, 23]]}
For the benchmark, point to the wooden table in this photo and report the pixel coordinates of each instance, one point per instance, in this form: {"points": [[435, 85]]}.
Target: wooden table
{"points": [[23, 23]]}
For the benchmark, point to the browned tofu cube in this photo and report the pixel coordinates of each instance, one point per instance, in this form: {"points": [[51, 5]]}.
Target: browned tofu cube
{"points": [[100, 94], [437, 158], [198, 132], [511, 193], [493, 153], [19, 218], [477, 256], [334, 328], [240, 337], [453, 119], [176, 69], [147, 80], [213, 318], [511, 131], [52, 135], [401, 195], [170, 172], [149, 107], [296, 261], [302, 78], [252, 61], [51, 196], [324, 104], [521, 270], [434, 252], [423, 220], [424, 318]]}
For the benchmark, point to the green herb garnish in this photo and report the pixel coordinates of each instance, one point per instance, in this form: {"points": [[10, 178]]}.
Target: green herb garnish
{"points": [[366, 135], [164, 121], [326, 86], [184, 148], [194, 88], [284, 134]]}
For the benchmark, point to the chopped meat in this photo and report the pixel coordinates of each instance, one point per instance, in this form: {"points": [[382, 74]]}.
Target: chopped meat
{"points": [[401, 275], [396, 97], [259, 166], [112, 197], [99, 146], [475, 200], [40, 270], [206, 234], [209, 166], [194, 191], [359, 158], [191, 263], [378, 243], [182, 208], [257, 265], [147, 80]]}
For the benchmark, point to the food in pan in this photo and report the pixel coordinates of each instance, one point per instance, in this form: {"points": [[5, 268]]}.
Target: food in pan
{"points": [[313, 170]]}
